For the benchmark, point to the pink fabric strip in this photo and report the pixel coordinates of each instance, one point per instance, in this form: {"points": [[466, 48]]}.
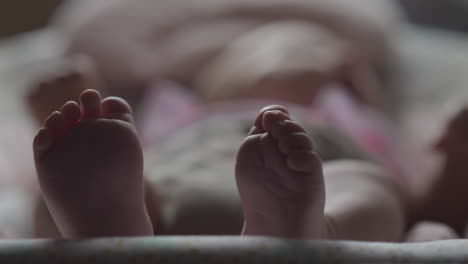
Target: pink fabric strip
{"points": [[167, 108], [366, 127]]}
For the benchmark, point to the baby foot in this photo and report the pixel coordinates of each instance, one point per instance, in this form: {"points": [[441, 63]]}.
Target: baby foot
{"points": [[49, 94], [90, 167], [280, 179]]}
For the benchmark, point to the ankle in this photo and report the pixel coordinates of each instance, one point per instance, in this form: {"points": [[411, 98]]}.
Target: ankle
{"points": [[329, 230]]}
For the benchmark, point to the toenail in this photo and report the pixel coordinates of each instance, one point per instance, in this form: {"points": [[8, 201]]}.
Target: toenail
{"points": [[282, 122], [55, 114]]}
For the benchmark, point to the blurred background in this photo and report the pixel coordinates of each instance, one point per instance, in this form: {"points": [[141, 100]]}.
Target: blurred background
{"points": [[23, 15]]}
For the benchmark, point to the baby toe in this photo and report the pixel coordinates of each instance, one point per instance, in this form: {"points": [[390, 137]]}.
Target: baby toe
{"points": [[71, 112], [272, 118], [275, 108], [55, 122], [282, 128], [90, 103], [295, 141], [258, 124], [116, 108], [304, 161]]}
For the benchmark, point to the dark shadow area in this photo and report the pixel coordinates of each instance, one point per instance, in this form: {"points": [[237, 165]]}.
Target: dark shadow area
{"points": [[24, 15], [447, 14]]}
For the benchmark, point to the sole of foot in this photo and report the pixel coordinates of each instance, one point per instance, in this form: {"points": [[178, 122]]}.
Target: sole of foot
{"points": [[89, 163], [280, 179]]}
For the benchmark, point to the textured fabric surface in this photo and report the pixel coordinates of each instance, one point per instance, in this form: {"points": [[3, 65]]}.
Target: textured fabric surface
{"points": [[227, 250]]}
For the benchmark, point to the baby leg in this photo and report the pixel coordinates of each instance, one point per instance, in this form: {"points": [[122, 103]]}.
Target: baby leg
{"points": [[43, 224], [445, 200], [280, 179], [90, 168], [282, 188], [430, 231], [362, 202]]}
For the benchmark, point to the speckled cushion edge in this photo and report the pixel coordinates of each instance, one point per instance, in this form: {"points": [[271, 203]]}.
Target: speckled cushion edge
{"points": [[227, 250]]}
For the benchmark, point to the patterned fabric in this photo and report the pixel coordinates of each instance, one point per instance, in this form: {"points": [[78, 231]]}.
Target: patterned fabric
{"points": [[370, 130], [169, 108], [193, 171]]}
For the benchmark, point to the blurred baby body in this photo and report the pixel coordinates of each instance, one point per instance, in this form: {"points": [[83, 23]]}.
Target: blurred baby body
{"points": [[168, 39]]}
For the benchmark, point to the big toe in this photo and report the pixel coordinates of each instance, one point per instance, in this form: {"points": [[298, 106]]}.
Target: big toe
{"points": [[259, 124], [116, 108], [275, 108], [71, 112]]}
